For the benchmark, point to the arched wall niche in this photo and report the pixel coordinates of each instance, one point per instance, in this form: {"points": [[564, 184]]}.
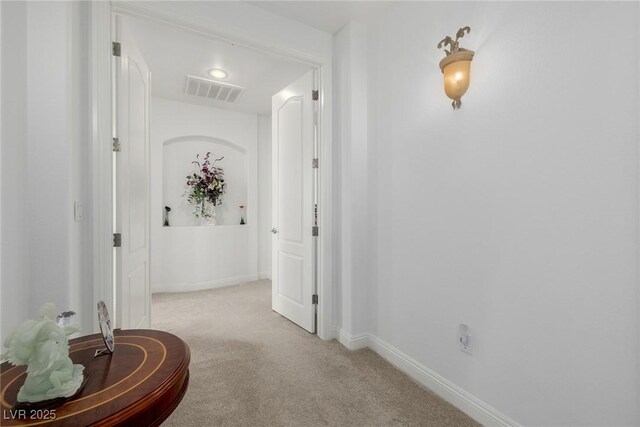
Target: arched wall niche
{"points": [[178, 155]]}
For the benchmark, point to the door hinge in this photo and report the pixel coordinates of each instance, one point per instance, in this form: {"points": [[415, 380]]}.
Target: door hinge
{"points": [[116, 145], [314, 230], [117, 240], [315, 95], [314, 163], [314, 299], [115, 48]]}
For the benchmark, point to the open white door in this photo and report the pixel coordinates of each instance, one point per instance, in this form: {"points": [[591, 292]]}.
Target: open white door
{"points": [[293, 116], [133, 294]]}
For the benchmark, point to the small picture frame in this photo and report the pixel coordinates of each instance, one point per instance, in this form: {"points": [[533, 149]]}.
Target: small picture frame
{"points": [[106, 327]]}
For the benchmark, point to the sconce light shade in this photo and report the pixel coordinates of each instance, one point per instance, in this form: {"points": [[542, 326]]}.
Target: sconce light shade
{"points": [[456, 67], [457, 75]]}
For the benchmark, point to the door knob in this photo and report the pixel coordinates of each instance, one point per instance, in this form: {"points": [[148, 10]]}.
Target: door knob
{"points": [[274, 230]]}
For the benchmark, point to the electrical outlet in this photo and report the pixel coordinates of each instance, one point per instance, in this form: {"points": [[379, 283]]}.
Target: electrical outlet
{"points": [[464, 339]]}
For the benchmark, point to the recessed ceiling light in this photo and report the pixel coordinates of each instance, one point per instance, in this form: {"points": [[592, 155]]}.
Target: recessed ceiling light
{"points": [[217, 73]]}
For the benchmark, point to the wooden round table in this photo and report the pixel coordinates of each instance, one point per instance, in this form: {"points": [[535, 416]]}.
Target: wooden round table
{"points": [[140, 384]]}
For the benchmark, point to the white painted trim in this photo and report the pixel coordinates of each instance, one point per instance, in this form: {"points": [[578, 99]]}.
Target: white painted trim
{"points": [[461, 399], [200, 25], [325, 199], [200, 286], [101, 152]]}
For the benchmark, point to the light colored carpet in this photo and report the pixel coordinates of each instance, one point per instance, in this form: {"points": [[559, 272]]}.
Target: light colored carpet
{"points": [[252, 367]]}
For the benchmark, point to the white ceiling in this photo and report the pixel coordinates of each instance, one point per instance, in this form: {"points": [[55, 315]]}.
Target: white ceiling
{"points": [[171, 53], [326, 15]]}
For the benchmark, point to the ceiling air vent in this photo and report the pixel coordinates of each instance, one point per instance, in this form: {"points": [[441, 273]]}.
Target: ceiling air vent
{"points": [[211, 89]]}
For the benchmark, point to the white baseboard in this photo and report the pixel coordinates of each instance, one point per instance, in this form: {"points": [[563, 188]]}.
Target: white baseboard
{"points": [[466, 402], [199, 286], [352, 342], [264, 275]]}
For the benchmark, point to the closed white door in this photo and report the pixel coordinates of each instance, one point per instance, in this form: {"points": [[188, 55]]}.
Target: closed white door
{"points": [[293, 115], [132, 79]]}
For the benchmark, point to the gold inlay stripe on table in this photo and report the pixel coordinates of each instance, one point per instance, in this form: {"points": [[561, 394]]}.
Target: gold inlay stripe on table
{"points": [[5, 403], [164, 356]]}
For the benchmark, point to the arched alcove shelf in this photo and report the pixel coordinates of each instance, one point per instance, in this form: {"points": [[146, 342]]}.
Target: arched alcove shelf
{"points": [[179, 153]]}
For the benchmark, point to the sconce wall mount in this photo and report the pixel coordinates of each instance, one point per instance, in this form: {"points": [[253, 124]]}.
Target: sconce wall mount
{"points": [[456, 67]]}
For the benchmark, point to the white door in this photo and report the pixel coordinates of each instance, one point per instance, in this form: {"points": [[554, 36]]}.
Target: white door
{"points": [[293, 115], [132, 183]]}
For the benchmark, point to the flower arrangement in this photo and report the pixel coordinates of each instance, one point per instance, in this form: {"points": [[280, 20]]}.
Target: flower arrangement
{"points": [[205, 187]]}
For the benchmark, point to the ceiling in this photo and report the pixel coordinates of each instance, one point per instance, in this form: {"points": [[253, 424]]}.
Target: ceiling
{"points": [[329, 16], [173, 53]]}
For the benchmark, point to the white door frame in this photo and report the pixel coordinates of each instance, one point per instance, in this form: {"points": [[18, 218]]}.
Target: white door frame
{"points": [[102, 144]]}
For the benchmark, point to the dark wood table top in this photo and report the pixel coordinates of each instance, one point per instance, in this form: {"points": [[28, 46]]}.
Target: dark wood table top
{"points": [[140, 384]]}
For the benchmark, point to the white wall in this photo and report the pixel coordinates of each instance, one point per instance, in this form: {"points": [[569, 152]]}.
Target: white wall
{"points": [[14, 293], [518, 214], [198, 257], [45, 254], [48, 149], [264, 196]]}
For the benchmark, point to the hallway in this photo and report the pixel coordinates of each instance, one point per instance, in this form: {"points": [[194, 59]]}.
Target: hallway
{"points": [[252, 367]]}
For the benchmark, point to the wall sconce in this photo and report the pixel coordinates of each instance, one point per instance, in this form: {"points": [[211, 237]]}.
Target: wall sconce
{"points": [[456, 67]]}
